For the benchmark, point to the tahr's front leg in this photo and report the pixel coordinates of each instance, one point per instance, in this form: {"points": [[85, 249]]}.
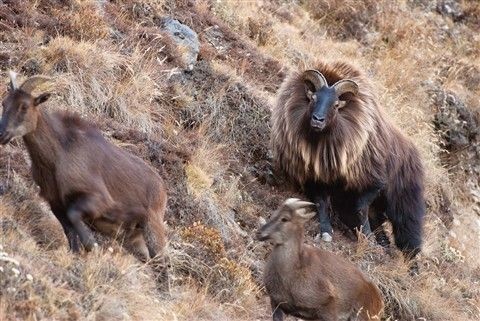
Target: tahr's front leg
{"points": [[317, 193], [367, 196], [67, 226]]}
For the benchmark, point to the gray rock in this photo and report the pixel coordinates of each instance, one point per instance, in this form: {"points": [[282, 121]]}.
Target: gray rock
{"points": [[459, 127], [185, 39], [457, 123], [450, 8]]}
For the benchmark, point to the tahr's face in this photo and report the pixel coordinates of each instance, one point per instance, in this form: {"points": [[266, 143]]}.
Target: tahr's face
{"points": [[324, 105], [19, 116]]}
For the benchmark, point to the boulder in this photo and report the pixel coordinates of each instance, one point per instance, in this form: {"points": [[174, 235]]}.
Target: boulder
{"points": [[450, 8], [457, 123], [184, 38]]}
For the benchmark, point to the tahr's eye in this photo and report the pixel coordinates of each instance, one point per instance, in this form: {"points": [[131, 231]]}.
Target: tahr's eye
{"points": [[284, 219]]}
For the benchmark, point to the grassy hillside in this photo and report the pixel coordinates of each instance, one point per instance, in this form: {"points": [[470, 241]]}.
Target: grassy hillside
{"points": [[206, 131]]}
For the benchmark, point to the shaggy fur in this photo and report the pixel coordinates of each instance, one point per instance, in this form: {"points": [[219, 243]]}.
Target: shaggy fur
{"points": [[362, 149]]}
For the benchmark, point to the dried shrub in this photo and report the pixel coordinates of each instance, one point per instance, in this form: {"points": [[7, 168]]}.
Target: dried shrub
{"points": [[260, 30], [84, 22], [207, 242]]}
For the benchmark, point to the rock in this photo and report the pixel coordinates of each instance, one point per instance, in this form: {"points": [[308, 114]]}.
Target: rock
{"points": [[142, 10], [185, 39], [261, 221], [222, 220], [458, 125], [450, 8], [326, 237]]}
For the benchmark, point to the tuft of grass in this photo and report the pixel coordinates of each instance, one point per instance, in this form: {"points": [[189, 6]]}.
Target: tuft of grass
{"points": [[93, 79]]}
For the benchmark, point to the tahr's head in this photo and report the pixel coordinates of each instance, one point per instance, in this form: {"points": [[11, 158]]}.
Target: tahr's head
{"points": [[324, 100], [287, 221], [20, 108]]}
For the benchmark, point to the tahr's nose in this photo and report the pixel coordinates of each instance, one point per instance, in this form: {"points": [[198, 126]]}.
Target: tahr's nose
{"points": [[318, 118]]}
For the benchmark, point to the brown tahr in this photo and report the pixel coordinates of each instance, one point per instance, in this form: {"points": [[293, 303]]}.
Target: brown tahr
{"points": [[88, 181], [308, 282], [331, 137]]}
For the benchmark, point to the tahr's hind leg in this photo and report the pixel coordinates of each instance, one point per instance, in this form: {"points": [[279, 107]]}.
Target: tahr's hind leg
{"points": [[406, 212], [71, 235], [352, 207], [377, 218], [136, 244], [154, 235]]}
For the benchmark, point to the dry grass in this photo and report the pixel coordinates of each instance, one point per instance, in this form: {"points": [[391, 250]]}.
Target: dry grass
{"points": [[95, 78], [207, 133]]}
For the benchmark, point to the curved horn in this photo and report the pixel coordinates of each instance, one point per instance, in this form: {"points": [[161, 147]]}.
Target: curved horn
{"points": [[290, 201], [306, 214], [345, 86], [31, 83], [295, 203], [316, 78], [13, 79]]}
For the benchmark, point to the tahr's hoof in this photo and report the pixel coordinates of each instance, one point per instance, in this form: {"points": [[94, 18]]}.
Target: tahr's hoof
{"points": [[91, 246], [326, 237]]}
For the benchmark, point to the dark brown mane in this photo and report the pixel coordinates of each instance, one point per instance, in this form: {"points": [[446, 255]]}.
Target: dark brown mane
{"points": [[337, 150]]}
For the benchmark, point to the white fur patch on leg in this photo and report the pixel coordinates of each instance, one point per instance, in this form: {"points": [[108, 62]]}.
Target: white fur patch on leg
{"points": [[326, 237]]}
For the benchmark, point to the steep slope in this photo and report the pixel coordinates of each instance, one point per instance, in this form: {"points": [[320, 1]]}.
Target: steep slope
{"points": [[206, 130]]}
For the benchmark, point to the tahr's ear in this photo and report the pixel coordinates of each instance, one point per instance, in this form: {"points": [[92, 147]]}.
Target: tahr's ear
{"points": [[41, 99], [309, 93], [309, 89]]}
